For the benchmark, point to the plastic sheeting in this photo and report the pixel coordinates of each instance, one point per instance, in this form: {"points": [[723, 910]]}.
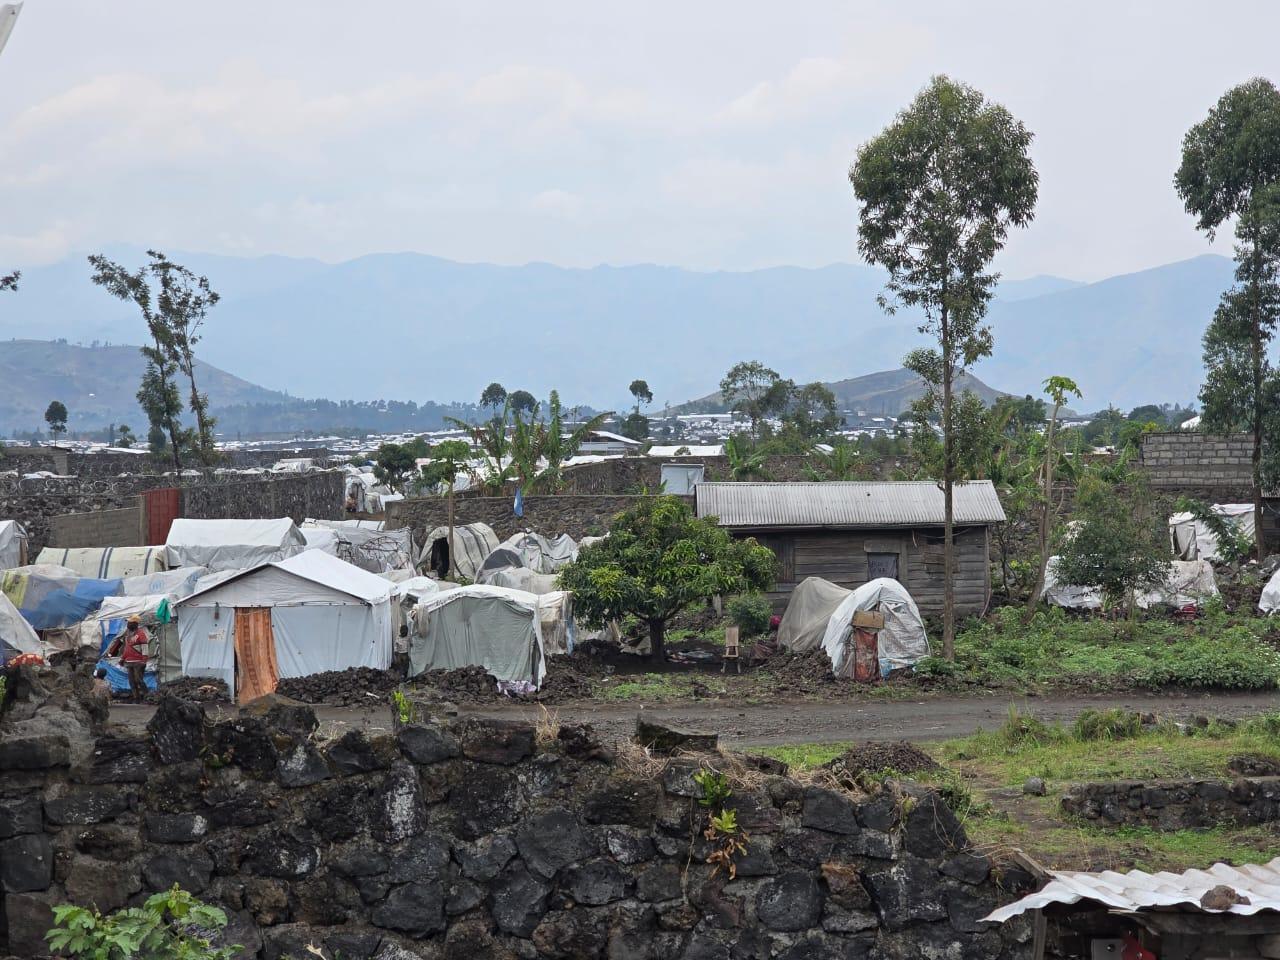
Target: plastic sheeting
{"points": [[207, 638], [174, 584], [13, 544], [521, 578], [106, 562], [485, 626], [472, 542], [902, 641], [232, 544], [364, 543], [52, 597], [1269, 602], [16, 635], [808, 612], [1193, 540], [1187, 582]]}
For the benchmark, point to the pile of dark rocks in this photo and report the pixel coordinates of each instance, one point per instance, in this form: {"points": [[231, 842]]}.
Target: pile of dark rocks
{"points": [[351, 687]]}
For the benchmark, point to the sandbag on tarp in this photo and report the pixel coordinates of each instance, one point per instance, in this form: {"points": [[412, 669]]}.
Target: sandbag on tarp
{"points": [[808, 612], [472, 542], [478, 625], [16, 635], [232, 544], [13, 544], [902, 641], [104, 563], [51, 597]]}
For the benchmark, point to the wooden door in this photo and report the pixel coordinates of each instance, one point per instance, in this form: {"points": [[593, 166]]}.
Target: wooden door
{"points": [[257, 672], [162, 508]]}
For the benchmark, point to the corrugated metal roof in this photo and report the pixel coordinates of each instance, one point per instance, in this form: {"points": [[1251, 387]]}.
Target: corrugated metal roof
{"points": [[1135, 890], [845, 504]]}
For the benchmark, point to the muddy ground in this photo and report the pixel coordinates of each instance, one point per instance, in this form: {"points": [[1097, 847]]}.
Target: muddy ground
{"points": [[925, 718]]}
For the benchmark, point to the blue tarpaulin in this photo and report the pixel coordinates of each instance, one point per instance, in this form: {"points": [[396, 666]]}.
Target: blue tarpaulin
{"points": [[49, 602]]}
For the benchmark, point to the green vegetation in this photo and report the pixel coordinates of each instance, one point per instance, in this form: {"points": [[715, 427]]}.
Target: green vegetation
{"points": [[1218, 651], [172, 925], [649, 686], [751, 612]]}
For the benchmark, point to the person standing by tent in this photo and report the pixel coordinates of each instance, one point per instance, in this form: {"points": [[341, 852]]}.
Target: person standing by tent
{"points": [[132, 644]]}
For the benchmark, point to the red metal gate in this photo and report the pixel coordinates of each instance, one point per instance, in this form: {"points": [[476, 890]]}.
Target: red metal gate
{"points": [[162, 506]]}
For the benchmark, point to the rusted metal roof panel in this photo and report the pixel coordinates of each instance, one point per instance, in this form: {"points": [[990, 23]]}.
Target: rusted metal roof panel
{"points": [[846, 504], [1258, 887]]}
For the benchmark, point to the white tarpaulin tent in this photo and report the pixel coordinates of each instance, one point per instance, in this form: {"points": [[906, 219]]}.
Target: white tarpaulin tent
{"points": [[13, 544], [808, 612], [367, 547], [902, 641], [491, 627], [103, 563], [232, 544], [1193, 540], [1188, 581], [16, 635], [473, 542], [325, 615], [1270, 601], [528, 561]]}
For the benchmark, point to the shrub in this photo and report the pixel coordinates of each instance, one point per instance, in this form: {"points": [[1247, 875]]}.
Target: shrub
{"points": [[172, 925], [1112, 724], [1023, 728], [751, 612]]}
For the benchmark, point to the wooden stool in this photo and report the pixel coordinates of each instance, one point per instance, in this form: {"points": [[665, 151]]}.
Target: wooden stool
{"points": [[730, 649]]}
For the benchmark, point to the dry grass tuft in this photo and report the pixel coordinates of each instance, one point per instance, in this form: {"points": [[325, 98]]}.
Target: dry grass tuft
{"points": [[546, 729]]}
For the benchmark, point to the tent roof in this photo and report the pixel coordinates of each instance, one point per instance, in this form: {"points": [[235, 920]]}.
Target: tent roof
{"points": [[216, 533], [479, 591], [320, 568], [886, 503]]}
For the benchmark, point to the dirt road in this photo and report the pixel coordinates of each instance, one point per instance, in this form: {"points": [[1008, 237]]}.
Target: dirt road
{"points": [[916, 719]]}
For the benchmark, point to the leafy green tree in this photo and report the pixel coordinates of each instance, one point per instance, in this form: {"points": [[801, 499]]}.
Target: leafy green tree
{"points": [[126, 439], [1058, 389], [940, 189], [55, 415], [448, 459], [1118, 543], [635, 426], [844, 462], [394, 464], [753, 390], [9, 281], [493, 396], [744, 460], [1231, 169], [811, 411], [640, 390], [658, 559], [522, 401], [172, 925]]}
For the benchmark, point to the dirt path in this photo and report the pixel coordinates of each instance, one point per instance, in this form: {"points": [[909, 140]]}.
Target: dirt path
{"points": [[916, 719]]}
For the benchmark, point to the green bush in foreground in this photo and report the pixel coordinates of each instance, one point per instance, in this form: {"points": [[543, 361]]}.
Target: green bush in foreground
{"points": [[1218, 651], [172, 925], [751, 612]]}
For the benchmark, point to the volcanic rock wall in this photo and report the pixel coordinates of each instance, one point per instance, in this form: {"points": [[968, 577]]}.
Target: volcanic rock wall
{"points": [[472, 840]]}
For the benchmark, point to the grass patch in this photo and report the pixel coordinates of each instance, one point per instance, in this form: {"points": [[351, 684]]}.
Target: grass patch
{"points": [[648, 686], [1218, 651], [804, 756]]}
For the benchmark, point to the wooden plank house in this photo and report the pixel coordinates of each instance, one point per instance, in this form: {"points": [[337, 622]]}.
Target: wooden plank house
{"points": [[853, 532]]}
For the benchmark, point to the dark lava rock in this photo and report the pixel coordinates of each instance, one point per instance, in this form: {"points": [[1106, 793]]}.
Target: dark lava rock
{"points": [[338, 810], [361, 861], [35, 751], [905, 892], [627, 847], [790, 902], [106, 886], [20, 815], [519, 900], [428, 744], [117, 760], [829, 811], [398, 808], [190, 870], [664, 739], [551, 841], [302, 766], [623, 800], [424, 857], [177, 730], [581, 742], [497, 741], [414, 908], [487, 799], [354, 752], [26, 863], [931, 830], [83, 805], [283, 716], [967, 867], [245, 742], [485, 858], [659, 882], [571, 934], [463, 895], [281, 852], [596, 883], [108, 841]]}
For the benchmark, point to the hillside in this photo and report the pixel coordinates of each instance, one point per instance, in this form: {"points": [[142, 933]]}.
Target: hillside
{"points": [[415, 326], [886, 392], [97, 384]]}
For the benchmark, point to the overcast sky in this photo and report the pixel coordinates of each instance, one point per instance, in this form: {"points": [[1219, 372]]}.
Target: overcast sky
{"points": [[711, 135]]}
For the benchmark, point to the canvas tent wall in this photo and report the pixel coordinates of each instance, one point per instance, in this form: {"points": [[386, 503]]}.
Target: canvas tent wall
{"points": [[13, 544], [479, 625], [106, 562], [472, 542], [902, 641], [324, 615], [367, 547], [1193, 540], [232, 544], [804, 623], [528, 561]]}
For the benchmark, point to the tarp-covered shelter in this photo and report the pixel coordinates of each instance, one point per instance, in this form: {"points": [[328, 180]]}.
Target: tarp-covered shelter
{"points": [[368, 547], [103, 563], [491, 627], [16, 635], [156, 615], [902, 641], [808, 612], [472, 542], [13, 544], [306, 614], [1193, 540], [528, 561], [1269, 602], [232, 544], [52, 597], [1187, 582]]}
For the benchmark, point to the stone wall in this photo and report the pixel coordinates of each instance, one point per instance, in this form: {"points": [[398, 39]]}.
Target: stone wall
{"points": [[472, 839], [36, 512], [577, 516], [319, 495], [125, 527], [1177, 804], [32, 459], [1187, 459]]}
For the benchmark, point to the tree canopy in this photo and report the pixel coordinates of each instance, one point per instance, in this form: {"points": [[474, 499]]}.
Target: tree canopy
{"points": [[55, 415], [658, 559]]}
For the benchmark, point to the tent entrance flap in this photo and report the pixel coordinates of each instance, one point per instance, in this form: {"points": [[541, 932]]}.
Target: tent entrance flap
{"points": [[257, 672]]}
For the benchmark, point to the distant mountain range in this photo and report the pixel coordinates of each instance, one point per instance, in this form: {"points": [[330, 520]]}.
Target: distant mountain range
{"points": [[417, 327]]}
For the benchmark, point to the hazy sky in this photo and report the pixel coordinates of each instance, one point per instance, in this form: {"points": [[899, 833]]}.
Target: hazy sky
{"points": [[712, 135]]}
